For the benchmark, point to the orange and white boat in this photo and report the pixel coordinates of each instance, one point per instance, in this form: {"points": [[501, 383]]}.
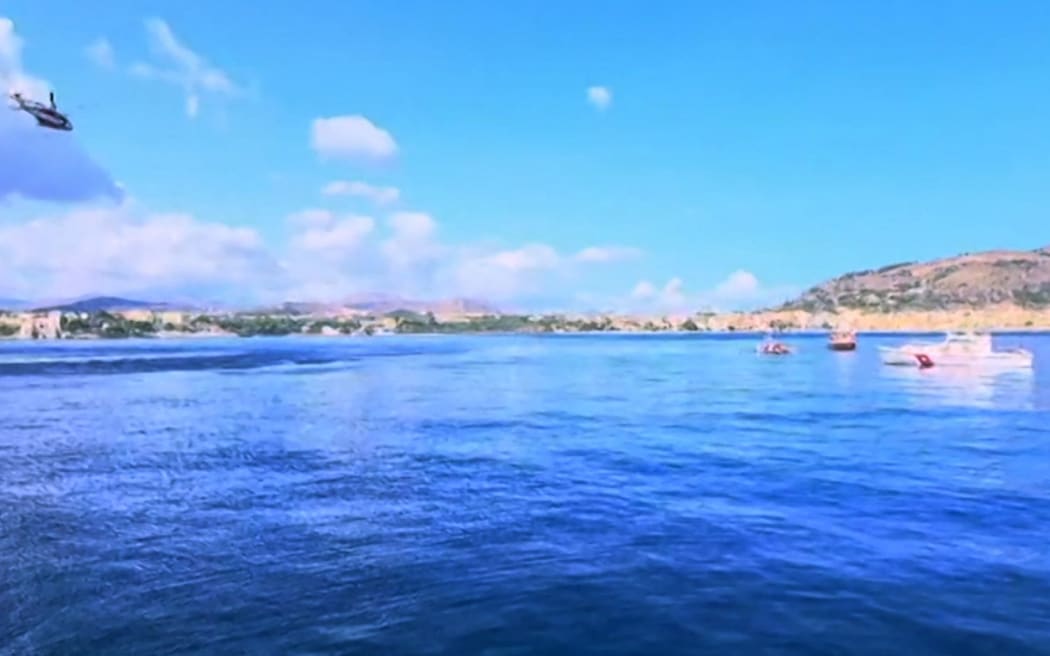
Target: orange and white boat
{"points": [[842, 340]]}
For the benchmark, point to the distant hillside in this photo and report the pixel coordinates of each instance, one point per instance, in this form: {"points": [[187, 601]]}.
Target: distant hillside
{"points": [[972, 280], [109, 304]]}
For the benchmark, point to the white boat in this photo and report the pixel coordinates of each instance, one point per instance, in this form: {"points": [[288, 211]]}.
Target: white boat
{"points": [[957, 349]]}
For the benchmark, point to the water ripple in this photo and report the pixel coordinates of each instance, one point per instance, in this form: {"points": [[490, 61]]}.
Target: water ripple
{"points": [[517, 495]]}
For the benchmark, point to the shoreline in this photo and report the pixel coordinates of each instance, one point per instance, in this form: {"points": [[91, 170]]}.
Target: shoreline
{"points": [[168, 325], [700, 334]]}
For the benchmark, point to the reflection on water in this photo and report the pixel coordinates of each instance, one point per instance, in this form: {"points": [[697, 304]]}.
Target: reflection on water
{"points": [[966, 386]]}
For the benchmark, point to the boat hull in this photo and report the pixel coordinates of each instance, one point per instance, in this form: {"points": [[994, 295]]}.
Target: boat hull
{"points": [[842, 340]]}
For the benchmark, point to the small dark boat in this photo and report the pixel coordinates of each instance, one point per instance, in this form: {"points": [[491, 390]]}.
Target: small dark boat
{"points": [[843, 340]]}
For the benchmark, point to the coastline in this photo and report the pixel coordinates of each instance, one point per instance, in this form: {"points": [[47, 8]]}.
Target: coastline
{"points": [[740, 334], [171, 325]]}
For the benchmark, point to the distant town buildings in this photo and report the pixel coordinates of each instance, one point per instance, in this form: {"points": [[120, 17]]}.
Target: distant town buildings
{"points": [[40, 325], [136, 315], [176, 319], [48, 325]]}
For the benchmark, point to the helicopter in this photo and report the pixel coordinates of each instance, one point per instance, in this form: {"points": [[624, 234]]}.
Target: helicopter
{"points": [[47, 117]]}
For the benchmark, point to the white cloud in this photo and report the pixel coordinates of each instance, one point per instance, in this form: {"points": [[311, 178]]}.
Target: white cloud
{"points": [[341, 236], [527, 258], [351, 137], [507, 274], [409, 259], [413, 225], [413, 243], [311, 218], [646, 296], [182, 67], [326, 257], [602, 254], [378, 195], [643, 291], [100, 51], [600, 97], [672, 295], [743, 290], [12, 76], [10, 42], [739, 285], [739, 290], [128, 253]]}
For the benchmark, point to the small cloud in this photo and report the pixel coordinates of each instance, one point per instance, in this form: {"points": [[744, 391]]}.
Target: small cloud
{"points": [[604, 254], [600, 97], [100, 51], [672, 294], [643, 291], [351, 137], [340, 236], [184, 68], [743, 290], [527, 258], [378, 195], [737, 286], [669, 298], [413, 240], [311, 218]]}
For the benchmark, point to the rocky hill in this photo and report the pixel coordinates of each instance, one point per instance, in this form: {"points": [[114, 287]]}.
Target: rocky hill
{"points": [[968, 281]]}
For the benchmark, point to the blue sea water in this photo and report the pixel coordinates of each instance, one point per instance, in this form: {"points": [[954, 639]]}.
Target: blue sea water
{"points": [[519, 495]]}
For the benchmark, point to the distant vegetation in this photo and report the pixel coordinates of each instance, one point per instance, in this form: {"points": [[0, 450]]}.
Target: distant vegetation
{"points": [[111, 325], [104, 324], [1037, 297], [410, 322]]}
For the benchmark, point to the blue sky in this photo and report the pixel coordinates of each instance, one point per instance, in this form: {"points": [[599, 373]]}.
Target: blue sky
{"points": [[749, 148]]}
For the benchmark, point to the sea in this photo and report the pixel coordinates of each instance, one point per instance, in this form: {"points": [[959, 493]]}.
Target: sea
{"points": [[517, 495]]}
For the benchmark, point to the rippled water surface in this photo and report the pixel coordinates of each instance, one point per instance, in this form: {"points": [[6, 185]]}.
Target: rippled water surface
{"points": [[518, 495]]}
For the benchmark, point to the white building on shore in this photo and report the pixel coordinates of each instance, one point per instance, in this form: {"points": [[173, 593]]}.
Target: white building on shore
{"points": [[41, 325]]}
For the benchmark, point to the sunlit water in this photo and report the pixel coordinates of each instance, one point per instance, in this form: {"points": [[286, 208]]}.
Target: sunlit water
{"points": [[519, 495]]}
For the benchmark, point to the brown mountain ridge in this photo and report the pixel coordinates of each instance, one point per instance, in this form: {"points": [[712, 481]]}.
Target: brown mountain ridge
{"points": [[968, 281]]}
